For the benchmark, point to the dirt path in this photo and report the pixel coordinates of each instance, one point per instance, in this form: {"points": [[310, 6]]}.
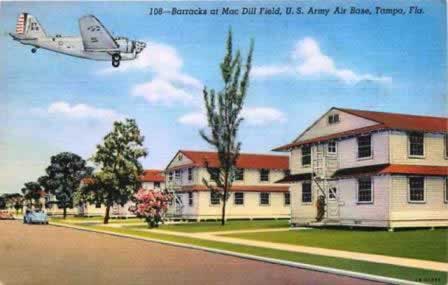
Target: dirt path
{"points": [[34, 254]]}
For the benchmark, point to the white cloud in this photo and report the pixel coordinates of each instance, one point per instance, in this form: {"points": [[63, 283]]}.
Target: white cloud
{"points": [[308, 61], [254, 116], [257, 116], [155, 57], [80, 111], [197, 119], [169, 84], [162, 91], [270, 70]]}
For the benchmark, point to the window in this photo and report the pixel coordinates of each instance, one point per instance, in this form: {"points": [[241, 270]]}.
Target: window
{"points": [[331, 147], [365, 190], [332, 193], [190, 198], [97, 205], [178, 174], [214, 198], [156, 184], [170, 176], [446, 190], [287, 198], [333, 119], [190, 174], [306, 192], [364, 146], [264, 174], [264, 198], [239, 198], [446, 145], [416, 189], [306, 155], [239, 174], [214, 173], [416, 144]]}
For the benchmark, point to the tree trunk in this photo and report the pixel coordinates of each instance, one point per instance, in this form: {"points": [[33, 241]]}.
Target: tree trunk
{"points": [[226, 185], [223, 216], [65, 212], [106, 216]]}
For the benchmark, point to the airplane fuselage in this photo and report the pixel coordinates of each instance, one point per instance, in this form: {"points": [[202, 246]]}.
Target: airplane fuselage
{"points": [[73, 46]]}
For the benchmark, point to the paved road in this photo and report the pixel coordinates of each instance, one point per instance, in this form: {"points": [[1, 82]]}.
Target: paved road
{"points": [[35, 254]]}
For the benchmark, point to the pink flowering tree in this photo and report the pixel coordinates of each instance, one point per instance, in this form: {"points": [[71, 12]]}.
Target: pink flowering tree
{"points": [[151, 205]]}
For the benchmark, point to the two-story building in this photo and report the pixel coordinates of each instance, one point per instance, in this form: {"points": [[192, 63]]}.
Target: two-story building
{"points": [[373, 168], [152, 179], [254, 193]]}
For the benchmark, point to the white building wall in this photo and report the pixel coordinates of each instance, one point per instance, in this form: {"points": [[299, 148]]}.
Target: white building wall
{"points": [[348, 151], [434, 150], [351, 212], [347, 122], [251, 177], [433, 212], [302, 213], [250, 209]]}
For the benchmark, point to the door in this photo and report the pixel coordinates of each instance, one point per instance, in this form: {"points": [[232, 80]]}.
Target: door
{"points": [[332, 203]]}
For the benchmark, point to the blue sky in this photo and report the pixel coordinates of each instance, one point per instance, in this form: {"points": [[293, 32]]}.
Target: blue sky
{"points": [[303, 65]]}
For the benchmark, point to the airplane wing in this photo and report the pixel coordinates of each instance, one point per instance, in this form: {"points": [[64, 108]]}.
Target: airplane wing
{"points": [[94, 35]]}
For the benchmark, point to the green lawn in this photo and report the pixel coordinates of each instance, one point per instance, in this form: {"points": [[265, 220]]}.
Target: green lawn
{"points": [[96, 219], [426, 276], [420, 244], [230, 226]]}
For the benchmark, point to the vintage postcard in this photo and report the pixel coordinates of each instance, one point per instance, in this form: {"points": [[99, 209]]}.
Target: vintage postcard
{"points": [[223, 142]]}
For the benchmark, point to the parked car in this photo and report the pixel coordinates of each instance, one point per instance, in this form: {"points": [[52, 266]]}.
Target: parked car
{"points": [[35, 217], [6, 215]]}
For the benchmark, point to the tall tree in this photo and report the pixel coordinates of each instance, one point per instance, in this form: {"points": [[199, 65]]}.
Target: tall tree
{"points": [[224, 119], [32, 192], [119, 169], [64, 175]]}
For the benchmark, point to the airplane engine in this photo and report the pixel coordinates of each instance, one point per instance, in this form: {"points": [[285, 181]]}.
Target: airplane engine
{"points": [[128, 46], [125, 45], [139, 46]]}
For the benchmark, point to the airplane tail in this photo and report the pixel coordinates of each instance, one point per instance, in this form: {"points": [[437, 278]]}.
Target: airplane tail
{"points": [[29, 27]]}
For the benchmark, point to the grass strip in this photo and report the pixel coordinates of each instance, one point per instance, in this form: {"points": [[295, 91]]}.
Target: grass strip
{"points": [[231, 225], [418, 244]]}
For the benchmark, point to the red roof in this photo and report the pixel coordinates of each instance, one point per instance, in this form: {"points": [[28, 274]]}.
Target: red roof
{"points": [[245, 160], [239, 188], [403, 121], [385, 121], [416, 169], [404, 169], [153, 175]]}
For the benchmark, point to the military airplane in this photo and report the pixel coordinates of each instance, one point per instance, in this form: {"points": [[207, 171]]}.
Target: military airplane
{"points": [[95, 43]]}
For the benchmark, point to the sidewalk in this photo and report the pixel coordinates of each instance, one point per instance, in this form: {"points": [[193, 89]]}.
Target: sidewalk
{"points": [[398, 261]]}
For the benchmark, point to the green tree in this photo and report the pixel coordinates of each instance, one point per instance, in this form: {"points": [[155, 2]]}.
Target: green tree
{"points": [[15, 200], [224, 119], [118, 173], [32, 192], [63, 178], [3, 201]]}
